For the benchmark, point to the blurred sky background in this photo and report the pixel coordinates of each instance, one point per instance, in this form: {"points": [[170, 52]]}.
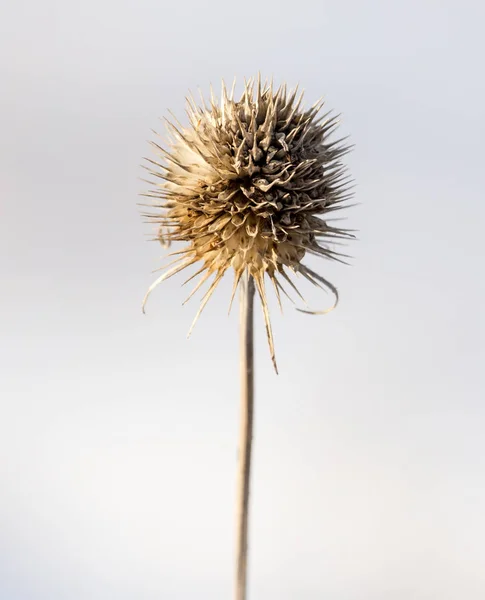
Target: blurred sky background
{"points": [[118, 436]]}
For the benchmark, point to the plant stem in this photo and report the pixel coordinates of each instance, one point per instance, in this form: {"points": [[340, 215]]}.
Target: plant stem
{"points": [[245, 432]]}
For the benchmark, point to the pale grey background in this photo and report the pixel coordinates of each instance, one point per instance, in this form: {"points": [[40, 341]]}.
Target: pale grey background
{"points": [[118, 437]]}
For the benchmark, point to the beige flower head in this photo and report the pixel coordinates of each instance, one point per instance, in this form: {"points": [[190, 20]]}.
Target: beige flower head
{"points": [[248, 186]]}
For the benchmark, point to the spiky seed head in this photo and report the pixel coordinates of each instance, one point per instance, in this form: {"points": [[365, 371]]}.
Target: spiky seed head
{"points": [[248, 186]]}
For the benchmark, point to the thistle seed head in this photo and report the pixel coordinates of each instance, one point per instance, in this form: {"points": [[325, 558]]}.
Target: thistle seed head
{"points": [[248, 186]]}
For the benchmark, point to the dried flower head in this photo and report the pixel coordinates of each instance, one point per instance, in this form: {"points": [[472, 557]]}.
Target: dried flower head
{"points": [[249, 186]]}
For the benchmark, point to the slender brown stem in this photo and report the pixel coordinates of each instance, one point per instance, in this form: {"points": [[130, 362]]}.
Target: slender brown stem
{"points": [[245, 433]]}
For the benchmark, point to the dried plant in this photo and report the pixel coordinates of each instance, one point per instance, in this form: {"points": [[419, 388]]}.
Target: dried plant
{"points": [[249, 186]]}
